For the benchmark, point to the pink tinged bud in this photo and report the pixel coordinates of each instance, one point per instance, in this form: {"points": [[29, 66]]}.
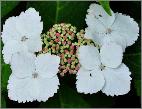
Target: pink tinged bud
{"points": [[71, 71], [57, 40], [77, 67], [69, 42], [77, 47], [72, 47], [64, 42], [71, 52], [62, 55], [62, 67], [66, 51], [69, 60], [57, 34], [65, 70], [64, 37], [70, 32]]}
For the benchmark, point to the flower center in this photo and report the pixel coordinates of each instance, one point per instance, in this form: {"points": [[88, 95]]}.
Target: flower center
{"points": [[24, 38], [35, 75], [108, 31], [102, 67]]}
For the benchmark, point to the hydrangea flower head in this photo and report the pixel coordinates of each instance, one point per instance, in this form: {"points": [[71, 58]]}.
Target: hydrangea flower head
{"points": [[22, 33], [102, 71], [117, 28], [33, 78], [62, 40]]}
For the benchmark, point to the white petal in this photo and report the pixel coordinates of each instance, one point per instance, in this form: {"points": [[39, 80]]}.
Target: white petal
{"points": [[97, 38], [10, 48], [29, 23], [34, 44], [47, 65], [9, 30], [95, 25], [127, 28], [89, 57], [18, 89], [117, 80], [111, 55], [100, 16], [115, 37], [23, 65], [89, 81], [48, 87]]}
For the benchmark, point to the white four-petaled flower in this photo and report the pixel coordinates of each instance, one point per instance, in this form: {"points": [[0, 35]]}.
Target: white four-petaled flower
{"points": [[22, 34], [117, 28], [33, 78], [102, 71]]}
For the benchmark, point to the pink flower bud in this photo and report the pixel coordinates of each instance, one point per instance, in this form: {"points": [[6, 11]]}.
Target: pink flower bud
{"points": [[66, 51], [72, 47], [77, 67], [72, 52], [57, 40], [57, 34], [64, 42], [69, 42], [69, 60]]}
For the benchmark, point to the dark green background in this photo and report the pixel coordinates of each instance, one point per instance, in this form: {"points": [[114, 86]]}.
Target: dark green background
{"points": [[74, 12]]}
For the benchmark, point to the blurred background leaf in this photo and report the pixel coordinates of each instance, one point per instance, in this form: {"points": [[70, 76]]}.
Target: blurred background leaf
{"points": [[6, 71], [138, 87], [66, 98], [3, 101], [105, 5], [6, 7], [52, 12]]}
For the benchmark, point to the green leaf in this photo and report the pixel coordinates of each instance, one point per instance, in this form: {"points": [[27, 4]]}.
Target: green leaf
{"points": [[52, 102], [70, 98], [132, 58], [133, 61], [138, 87], [7, 6], [99, 100], [5, 73], [105, 5], [66, 98], [3, 101], [52, 12]]}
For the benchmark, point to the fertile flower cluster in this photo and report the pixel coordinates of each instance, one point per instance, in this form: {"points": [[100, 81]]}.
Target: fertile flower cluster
{"points": [[102, 67], [62, 40]]}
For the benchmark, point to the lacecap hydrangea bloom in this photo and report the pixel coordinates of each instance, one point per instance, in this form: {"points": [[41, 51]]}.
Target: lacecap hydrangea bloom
{"points": [[33, 77], [22, 34]]}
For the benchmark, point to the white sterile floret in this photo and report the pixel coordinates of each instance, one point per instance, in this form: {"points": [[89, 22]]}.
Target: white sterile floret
{"points": [[87, 81], [118, 28], [33, 78], [111, 54], [113, 79], [89, 62], [25, 31]]}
